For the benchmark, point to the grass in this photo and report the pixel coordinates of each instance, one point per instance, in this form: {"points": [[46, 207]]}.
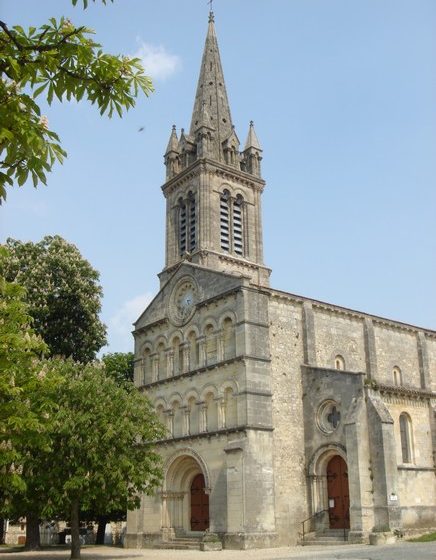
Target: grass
{"points": [[428, 537]]}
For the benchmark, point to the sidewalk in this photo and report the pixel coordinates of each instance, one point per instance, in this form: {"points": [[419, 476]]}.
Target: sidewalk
{"points": [[399, 551]]}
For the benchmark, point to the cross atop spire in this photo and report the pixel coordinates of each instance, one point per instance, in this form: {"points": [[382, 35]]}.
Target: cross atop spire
{"points": [[211, 93]]}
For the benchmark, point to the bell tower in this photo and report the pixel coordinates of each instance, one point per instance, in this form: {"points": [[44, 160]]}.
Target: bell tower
{"points": [[213, 189]]}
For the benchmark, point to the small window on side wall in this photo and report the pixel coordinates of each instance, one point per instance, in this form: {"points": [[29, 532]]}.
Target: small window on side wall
{"points": [[396, 376], [339, 362], [406, 438]]}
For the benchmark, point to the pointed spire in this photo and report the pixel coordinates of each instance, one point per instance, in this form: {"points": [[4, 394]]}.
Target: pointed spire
{"points": [[252, 141], [173, 142], [211, 92]]}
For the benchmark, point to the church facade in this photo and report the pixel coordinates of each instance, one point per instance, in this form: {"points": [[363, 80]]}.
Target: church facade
{"points": [[279, 409]]}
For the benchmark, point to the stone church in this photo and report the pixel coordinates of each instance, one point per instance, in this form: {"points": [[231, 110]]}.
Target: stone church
{"points": [[279, 409]]}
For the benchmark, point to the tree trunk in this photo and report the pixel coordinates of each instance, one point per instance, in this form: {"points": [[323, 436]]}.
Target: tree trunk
{"points": [[33, 541], [101, 530], [2, 530], [75, 530]]}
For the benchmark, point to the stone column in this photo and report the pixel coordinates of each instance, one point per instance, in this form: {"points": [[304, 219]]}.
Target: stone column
{"points": [[202, 421], [424, 369], [185, 428], [170, 363], [370, 351], [154, 359], [220, 346], [201, 352], [221, 409], [185, 365], [309, 334]]}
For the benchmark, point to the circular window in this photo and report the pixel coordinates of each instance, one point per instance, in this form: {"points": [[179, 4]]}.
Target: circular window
{"points": [[328, 417]]}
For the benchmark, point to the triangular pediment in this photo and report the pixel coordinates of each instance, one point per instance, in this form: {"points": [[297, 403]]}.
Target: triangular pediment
{"points": [[208, 283]]}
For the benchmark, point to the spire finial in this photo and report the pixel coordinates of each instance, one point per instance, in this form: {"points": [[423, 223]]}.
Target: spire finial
{"points": [[211, 14], [251, 124]]}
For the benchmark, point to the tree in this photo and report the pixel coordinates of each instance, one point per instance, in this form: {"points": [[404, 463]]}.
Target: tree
{"points": [[25, 405], [21, 375], [63, 293], [62, 61], [102, 454], [119, 366]]}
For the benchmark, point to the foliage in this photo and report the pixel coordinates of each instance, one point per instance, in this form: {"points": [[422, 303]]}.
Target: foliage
{"points": [[428, 537], [23, 406], [102, 440], [119, 366], [63, 293], [62, 61]]}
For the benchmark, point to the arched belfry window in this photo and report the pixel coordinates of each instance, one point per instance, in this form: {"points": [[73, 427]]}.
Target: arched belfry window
{"points": [[406, 438], [238, 245], [232, 223], [187, 224], [225, 220]]}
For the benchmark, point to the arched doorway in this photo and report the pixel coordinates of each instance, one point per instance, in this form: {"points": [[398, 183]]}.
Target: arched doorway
{"points": [[199, 504], [185, 494], [338, 493]]}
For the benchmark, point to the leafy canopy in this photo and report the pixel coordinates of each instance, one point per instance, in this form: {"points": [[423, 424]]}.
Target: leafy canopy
{"points": [[63, 293], [23, 407], [102, 440], [119, 366], [64, 62]]}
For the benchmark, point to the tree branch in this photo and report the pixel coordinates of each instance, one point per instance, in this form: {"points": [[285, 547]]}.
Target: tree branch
{"points": [[10, 35]]}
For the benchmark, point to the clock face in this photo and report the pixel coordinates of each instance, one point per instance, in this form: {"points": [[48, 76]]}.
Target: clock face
{"points": [[184, 301]]}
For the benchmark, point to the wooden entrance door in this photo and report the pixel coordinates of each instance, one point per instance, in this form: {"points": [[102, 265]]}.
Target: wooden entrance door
{"points": [[199, 505], [338, 493]]}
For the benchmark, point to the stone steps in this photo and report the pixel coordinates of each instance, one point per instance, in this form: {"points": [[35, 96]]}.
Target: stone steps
{"points": [[180, 543], [333, 537]]}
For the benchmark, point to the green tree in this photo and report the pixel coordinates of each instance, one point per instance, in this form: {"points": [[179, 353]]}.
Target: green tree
{"points": [[119, 366], [63, 293], [21, 374], [102, 454], [62, 61]]}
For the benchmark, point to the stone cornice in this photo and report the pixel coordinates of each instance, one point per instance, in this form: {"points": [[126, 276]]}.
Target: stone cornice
{"points": [[216, 433], [198, 371], [401, 391], [358, 315], [206, 165], [332, 370]]}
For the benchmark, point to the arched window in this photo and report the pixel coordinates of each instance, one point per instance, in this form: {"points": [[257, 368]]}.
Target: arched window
{"points": [[146, 366], [162, 365], [211, 345], [339, 362], [160, 413], [225, 221], [229, 345], [187, 224], [238, 244], [178, 356], [192, 416], [232, 223], [406, 438], [396, 376], [177, 414], [193, 350], [211, 412], [230, 409]]}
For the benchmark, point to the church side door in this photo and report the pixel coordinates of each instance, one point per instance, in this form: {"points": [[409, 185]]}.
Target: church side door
{"points": [[199, 505], [338, 493]]}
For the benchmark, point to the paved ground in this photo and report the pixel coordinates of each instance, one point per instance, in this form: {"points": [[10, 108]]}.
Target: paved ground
{"points": [[398, 551]]}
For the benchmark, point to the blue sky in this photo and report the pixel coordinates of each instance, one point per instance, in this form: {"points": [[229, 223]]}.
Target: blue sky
{"points": [[342, 93]]}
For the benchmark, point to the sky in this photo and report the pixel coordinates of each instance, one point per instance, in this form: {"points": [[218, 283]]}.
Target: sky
{"points": [[342, 94]]}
